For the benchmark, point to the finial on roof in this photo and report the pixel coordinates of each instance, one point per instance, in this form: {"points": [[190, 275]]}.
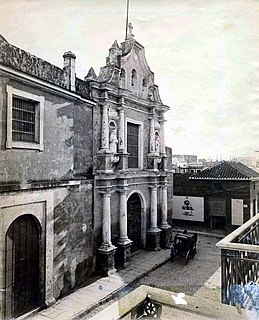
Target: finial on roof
{"points": [[115, 45], [91, 75], [130, 34]]}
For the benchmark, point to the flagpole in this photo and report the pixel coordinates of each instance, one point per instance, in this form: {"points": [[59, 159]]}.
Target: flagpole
{"points": [[127, 19]]}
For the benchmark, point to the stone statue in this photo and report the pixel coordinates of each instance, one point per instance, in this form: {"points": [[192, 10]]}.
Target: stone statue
{"points": [[113, 141]]}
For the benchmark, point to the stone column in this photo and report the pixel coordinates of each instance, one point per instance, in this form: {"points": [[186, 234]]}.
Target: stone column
{"points": [[152, 135], [105, 129], [123, 217], [104, 155], [123, 162], [153, 233], [164, 222], [106, 230], [105, 256], [121, 147], [153, 217], [124, 244], [165, 237]]}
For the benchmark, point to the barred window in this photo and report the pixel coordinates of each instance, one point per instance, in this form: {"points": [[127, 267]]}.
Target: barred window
{"points": [[24, 120], [25, 115], [133, 145]]}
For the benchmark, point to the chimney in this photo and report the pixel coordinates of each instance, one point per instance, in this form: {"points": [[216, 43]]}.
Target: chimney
{"points": [[69, 67]]}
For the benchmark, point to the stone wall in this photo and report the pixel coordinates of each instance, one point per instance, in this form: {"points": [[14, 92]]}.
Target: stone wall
{"points": [[21, 60], [73, 238]]}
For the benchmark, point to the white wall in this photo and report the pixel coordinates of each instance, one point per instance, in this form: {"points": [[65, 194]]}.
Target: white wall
{"points": [[237, 212], [194, 211]]}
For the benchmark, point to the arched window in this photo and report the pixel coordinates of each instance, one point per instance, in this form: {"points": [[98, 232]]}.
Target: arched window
{"points": [[144, 84], [122, 78], [133, 77]]}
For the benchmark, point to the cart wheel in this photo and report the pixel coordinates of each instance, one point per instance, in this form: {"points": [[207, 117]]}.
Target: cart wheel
{"points": [[188, 255]]}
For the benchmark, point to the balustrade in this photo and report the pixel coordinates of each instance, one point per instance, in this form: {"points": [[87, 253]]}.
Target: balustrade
{"points": [[240, 264]]}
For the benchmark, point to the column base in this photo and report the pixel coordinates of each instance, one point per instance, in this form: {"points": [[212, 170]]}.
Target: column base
{"points": [[153, 160], [123, 254], [166, 236], [105, 260], [104, 161], [153, 239], [122, 165]]}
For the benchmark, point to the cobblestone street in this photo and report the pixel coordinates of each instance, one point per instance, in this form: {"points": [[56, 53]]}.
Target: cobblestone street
{"points": [[200, 277]]}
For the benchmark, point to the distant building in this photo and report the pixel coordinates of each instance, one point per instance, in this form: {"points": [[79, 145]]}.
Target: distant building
{"points": [[186, 164], [222, 196]]}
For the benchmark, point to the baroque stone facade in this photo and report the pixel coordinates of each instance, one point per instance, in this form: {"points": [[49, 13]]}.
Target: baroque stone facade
{"points": [[84, 179], [131, 173]]}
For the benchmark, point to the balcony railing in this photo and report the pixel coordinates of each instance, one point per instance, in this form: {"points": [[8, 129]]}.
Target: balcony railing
{"points": [[240, 266]]}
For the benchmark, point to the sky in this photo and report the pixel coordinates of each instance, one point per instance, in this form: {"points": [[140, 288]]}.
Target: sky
{"points": [[204, 53]]}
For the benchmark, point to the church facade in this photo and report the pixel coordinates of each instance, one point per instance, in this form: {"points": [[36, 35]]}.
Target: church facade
{"points": [[84, 174], [130, 165]]}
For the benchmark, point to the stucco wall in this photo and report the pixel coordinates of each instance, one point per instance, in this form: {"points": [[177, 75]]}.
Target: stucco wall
{"points": [[55, 162], [73, 237]]}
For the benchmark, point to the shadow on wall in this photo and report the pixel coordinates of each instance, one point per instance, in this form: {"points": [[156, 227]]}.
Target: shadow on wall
{"points": [[73, 242]]}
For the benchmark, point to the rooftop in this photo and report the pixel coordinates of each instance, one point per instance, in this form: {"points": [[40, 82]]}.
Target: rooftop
{"points": [[226, 170]]}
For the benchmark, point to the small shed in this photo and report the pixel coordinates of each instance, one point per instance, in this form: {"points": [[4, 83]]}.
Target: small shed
{"points": [[218, 197]]}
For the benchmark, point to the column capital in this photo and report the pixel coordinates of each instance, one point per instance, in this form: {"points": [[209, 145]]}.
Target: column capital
{"points": [[123, 191], [153, 187], [106, 193]]}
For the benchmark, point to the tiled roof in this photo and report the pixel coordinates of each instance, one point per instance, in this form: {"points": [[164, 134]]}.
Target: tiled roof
{"points": [[226, 170]]}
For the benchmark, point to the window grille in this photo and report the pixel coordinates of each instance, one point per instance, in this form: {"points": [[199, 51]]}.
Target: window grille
{"points": [[24, 120], [133, 145]]}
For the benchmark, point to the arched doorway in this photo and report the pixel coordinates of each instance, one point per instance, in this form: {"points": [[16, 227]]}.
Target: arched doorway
{"points": [[22, 292], [134, 221]]}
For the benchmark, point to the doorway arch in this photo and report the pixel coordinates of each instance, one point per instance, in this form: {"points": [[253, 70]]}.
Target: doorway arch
{"points": [[22, 275], [136, 216]]}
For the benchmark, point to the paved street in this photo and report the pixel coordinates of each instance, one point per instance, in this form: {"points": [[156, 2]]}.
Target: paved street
{"points": [[200, 277]]}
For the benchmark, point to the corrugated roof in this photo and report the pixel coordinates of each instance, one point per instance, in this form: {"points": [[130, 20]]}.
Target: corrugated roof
{"points": [[226, 170]]}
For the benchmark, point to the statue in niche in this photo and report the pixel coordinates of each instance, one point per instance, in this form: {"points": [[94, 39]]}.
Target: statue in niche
{"points": [[113, 141]]}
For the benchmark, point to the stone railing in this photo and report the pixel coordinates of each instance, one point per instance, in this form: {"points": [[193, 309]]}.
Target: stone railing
{"points": [[240, 265]]}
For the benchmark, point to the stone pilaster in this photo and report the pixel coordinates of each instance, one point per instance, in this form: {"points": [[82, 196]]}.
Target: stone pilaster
{"points": [[153, 233], [105, 129], [104, 155], [105, 256]]}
